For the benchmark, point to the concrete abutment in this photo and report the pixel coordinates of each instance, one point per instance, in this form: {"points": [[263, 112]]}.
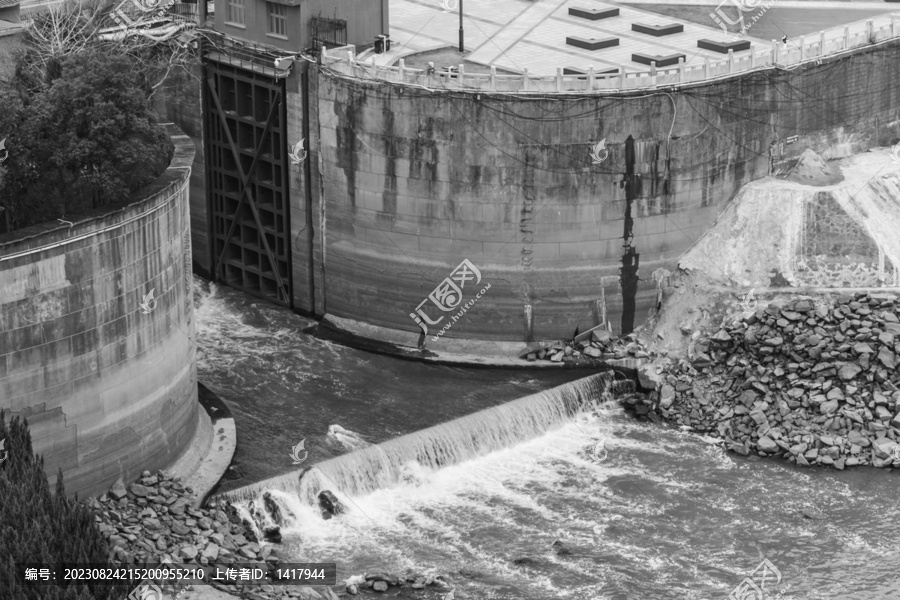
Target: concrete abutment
{"points": [[102, 370], [401, 184]]}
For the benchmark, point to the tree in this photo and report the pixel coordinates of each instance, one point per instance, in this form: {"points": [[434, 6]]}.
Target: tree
{"points": [[62, 30], [11, 117], [39, 527], [74, 26], [89, 140]]}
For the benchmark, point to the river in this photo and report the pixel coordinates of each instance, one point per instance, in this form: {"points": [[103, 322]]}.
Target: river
{"points": [[663, 515]]}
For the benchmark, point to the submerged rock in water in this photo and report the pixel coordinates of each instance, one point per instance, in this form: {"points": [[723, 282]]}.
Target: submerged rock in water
{"points": [[571, 549], [272, 534], [330, 505], [275, 510], [346, 438], [560, 548], [254, 317]]}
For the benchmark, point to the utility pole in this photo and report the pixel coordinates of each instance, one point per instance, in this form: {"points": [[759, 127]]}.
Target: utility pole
{"points": [[461, 45]]}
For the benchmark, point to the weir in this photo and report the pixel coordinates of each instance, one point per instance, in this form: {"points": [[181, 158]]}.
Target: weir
{"points": [[442, 445]]}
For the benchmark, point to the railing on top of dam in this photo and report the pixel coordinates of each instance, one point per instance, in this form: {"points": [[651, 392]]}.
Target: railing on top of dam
{"points": [[796, 51]]}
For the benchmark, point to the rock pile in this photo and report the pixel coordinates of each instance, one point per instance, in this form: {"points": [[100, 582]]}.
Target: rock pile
{"points": [[596, 344], [381, 582], [814, 382], [151, 521]]}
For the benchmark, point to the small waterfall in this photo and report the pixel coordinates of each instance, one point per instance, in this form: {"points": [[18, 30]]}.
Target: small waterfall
{"points": [[247, 515], [442, 445]]}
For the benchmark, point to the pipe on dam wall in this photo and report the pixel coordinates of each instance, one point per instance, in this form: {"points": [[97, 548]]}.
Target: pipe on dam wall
{"points": [[102, 370]]}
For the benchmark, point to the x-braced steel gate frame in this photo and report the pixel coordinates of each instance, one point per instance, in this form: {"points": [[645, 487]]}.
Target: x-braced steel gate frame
{"points": [[257, 259]]}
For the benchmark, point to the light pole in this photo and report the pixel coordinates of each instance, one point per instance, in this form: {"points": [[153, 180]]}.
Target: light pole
{"points": [[461, 46]]}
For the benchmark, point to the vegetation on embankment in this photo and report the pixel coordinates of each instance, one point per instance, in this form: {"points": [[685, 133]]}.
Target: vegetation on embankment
{"points": [[39, 527]]}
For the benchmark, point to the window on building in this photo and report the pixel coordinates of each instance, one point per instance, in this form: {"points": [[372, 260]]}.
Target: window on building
{"points": [[277, 19], [236, 11]]}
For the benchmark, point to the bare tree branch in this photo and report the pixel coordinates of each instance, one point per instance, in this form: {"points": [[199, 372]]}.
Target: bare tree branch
{"points": [[76, 25]]}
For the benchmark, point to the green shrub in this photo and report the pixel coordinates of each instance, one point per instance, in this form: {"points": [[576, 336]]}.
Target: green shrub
{"points": [[87, 140], [37, 526]]}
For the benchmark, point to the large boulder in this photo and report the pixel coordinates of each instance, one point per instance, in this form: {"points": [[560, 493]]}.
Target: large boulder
{"points": [[858, 439], [767, 444], [666, 396], [118, 491], [648, 376], [885, 448], [828, 407], [330, 504]]}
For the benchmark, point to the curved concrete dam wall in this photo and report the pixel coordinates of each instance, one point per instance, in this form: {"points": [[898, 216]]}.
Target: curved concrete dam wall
{"points": [[104, 373], [409, 182]]}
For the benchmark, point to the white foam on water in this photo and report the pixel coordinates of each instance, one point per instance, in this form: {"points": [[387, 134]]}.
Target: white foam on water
{"points": [[345, 438], [620, 515], [227, 344]]}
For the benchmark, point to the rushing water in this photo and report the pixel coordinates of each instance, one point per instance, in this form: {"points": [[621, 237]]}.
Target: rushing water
{"points": [[664, 516], [284, 386]]}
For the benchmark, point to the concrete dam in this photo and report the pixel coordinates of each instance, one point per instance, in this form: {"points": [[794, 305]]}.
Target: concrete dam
{"points": [[572, 195], [97, 335], [410, 182]]}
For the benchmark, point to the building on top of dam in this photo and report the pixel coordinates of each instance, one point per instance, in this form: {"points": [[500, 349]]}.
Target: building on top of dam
{"points": [[364, 184]]}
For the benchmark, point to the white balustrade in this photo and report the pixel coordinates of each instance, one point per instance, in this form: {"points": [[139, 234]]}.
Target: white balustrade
{"points": [[826, 42]]}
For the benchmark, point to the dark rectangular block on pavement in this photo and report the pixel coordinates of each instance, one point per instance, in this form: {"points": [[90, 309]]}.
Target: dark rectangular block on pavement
{"points": [[591, 43], [594, 14], [661, 61], [723, 47], [658, 30], [582, 71]]}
